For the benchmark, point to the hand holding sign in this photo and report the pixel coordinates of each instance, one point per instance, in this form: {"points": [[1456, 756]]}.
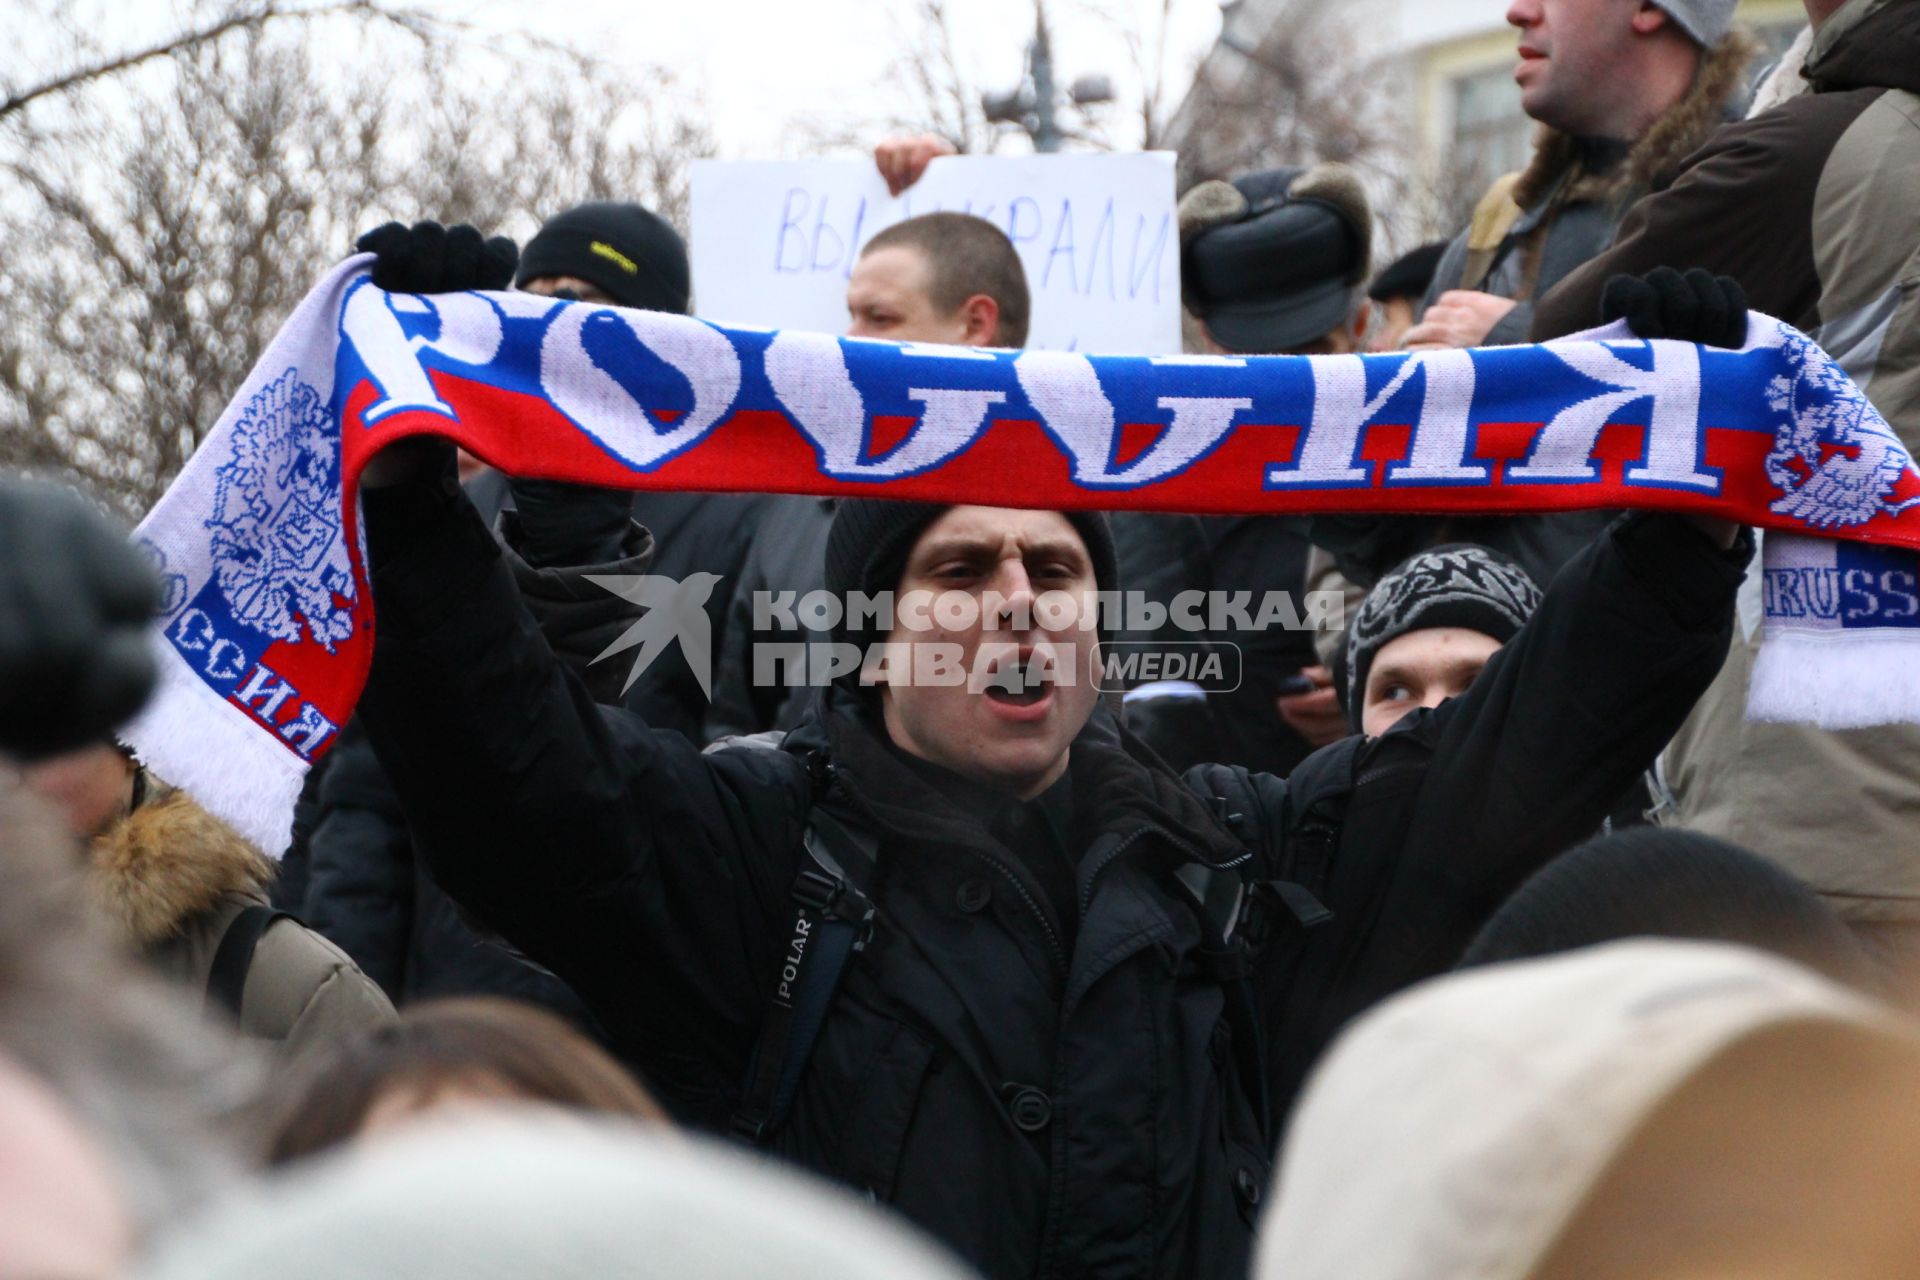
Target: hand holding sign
{"points": [[903, 161]]}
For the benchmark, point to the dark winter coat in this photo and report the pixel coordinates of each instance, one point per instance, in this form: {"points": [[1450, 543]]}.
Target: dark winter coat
{"points": [[1809, 206], [692, 533], [1574, 192], [1162, 556], [372, 896], [1048, 1096], [1814, 207], [788, 555]]}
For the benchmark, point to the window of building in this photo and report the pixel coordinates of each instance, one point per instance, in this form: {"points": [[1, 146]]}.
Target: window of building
{"points": [[1491, 135]]}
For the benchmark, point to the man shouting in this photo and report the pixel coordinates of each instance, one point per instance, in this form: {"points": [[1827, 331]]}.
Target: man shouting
{"points": [[965, 945]]}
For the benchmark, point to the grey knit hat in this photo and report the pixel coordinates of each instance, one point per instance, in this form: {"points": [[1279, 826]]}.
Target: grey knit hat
{"points": [[1456, 585], [1705, 20], [508, 1196]]}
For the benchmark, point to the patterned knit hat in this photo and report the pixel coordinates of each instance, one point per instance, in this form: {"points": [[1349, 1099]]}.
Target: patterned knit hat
{"points": [[1457, 585]]}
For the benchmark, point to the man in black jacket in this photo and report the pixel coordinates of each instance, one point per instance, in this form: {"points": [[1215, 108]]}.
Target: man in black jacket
{"points": [[1048, 1051]]}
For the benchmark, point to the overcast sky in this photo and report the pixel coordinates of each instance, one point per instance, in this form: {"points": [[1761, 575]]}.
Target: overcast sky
{"points": [[759, 66], [763, 63]]}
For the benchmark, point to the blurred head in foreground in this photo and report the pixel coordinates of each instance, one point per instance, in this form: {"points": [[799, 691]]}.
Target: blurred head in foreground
{"points": [[1665, 882], [63, 1211], [559, 1197], [1633, 1111], [116, 1099]]}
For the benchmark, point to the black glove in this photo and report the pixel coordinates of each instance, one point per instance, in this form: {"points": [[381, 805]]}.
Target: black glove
{"points": [[431, 258], [75, 604], [571, 525], [1695, 307]]}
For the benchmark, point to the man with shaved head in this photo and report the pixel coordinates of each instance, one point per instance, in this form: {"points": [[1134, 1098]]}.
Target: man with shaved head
{"points": [[940, 277]]}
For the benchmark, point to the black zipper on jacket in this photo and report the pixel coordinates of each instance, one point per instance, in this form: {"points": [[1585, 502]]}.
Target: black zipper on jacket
{"points": [[1093, 869], [1054, 944], [1379, 771]]}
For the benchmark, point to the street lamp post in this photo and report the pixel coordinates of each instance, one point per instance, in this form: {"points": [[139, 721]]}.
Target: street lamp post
{"points": [[1046, 133], [1034, 104]]}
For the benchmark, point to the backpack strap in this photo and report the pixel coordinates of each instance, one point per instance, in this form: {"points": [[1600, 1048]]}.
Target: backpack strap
{"points": [[1257, 902], [1318, 793], [1222, 897], [233, 958], [1315, 796], [832, 921]]}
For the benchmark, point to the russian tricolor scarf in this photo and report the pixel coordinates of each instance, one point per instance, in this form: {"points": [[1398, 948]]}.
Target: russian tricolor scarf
{"points": [[266, 632]]}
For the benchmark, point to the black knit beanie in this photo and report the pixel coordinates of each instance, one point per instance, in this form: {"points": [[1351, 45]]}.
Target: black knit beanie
{"points": [[870, 539], [1661, 882], [1456, 585], [628, 251]]}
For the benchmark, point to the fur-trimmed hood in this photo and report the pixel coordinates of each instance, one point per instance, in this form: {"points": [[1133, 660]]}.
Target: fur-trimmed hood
{"points": [[1655, 158], [168, 863]]}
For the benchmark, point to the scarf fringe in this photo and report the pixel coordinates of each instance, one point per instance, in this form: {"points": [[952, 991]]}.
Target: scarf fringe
{"points": [[203, 744], [1835, 680]]}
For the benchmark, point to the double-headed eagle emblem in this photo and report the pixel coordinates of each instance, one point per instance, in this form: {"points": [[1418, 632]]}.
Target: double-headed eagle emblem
{"points": [[1834, 460]]}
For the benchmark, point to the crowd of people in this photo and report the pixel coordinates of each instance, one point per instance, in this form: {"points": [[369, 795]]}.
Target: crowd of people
{"points": [[1473, 932]]}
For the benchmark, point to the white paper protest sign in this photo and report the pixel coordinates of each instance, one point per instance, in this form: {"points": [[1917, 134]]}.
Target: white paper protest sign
{"points": [[774, 241]]}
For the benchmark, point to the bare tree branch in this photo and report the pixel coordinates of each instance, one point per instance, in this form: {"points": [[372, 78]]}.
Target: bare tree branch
{"points": [[179, 220], [250, 19]]}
